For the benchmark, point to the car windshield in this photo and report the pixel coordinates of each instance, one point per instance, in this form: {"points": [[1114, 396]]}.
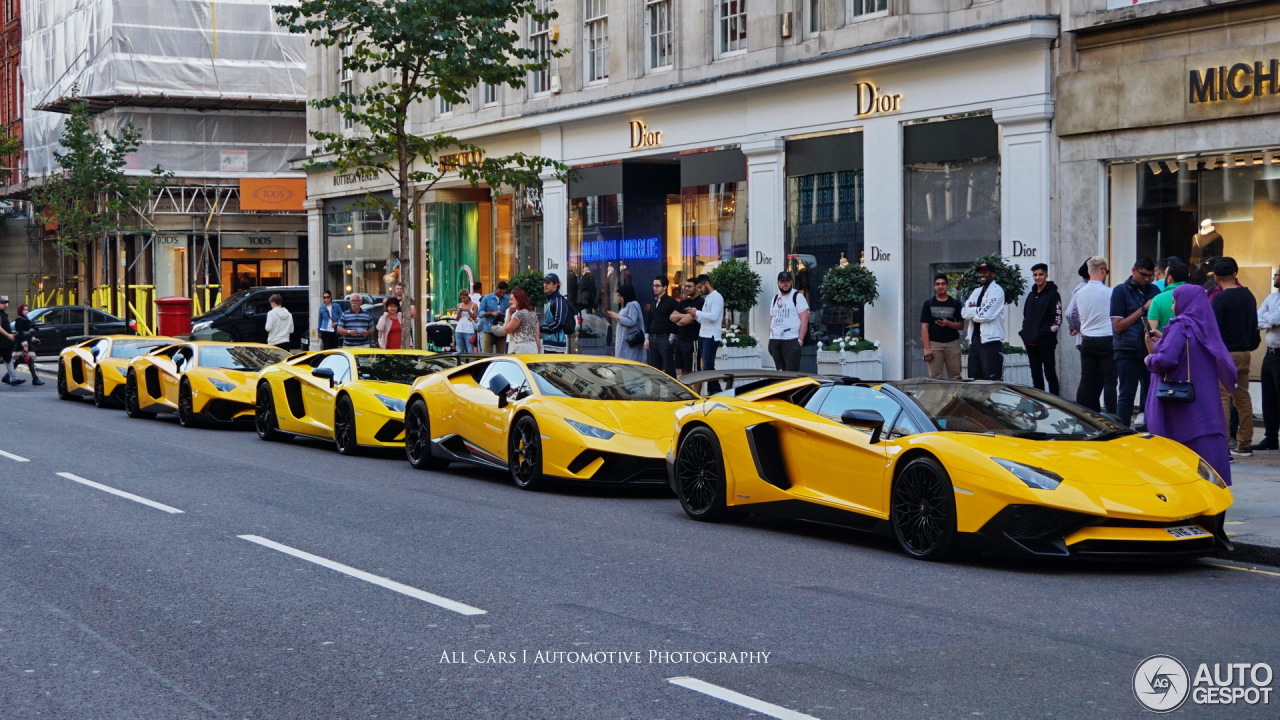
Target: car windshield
{"points": [[241, 358], [222, 307], [134, 348], [607, 381], [1000, 409], [401, 368]]}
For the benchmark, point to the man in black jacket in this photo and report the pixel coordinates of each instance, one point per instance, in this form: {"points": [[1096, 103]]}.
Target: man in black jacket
{"points": [[1041, 319], [1130, 302], [658, 327], [1238, 322]]}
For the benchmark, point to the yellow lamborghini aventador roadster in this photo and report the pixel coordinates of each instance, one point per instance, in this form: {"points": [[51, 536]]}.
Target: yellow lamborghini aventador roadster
{"points": [[352, 396], [943, 465], [543, 417], [200, 381], [97, 367]]}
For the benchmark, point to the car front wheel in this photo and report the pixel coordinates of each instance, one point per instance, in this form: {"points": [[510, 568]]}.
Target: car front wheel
{"points": [[186, 406], [923, 510], [524, 454], [700, 477], [99, 389], [344, 426]]}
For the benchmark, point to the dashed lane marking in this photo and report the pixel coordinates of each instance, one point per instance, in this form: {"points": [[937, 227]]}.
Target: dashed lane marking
{"points": [[11, 456], [121, 493], [737, 698], [392, 585]]}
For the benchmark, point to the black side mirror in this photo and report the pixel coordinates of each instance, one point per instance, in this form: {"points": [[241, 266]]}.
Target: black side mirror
{"points": [[500, 386], [865, 420], [326, 373]]}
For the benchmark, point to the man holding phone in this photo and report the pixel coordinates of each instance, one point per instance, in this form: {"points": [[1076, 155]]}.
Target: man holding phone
{"points": [[1130, 303], [940, 327]]}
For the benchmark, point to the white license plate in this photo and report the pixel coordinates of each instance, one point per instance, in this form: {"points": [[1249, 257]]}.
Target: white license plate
{"points": [[1187, 531]]}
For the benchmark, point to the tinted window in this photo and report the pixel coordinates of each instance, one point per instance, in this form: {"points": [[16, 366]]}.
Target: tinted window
{"points": [[607, 381], [839, 398], [1007, 410], [338, 363], [508, 370], [399, 368], [229, 303], [74, 316], [133, 348], [241, 358], [101, 317], [47, 317]]}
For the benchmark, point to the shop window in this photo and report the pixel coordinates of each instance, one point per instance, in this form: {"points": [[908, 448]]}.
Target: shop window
{"points": [[595, 37], [658, 28], [714, 226], [731, 26], [362, 254]]}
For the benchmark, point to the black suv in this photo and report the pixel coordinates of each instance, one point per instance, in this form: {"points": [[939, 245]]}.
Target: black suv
{"points": [[243, 316]]}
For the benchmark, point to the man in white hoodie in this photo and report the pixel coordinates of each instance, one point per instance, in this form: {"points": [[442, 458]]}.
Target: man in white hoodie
{"points": [[279, 323]]}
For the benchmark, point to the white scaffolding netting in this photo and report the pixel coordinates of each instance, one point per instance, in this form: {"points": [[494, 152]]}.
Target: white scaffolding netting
{"points": [[215, 86]]}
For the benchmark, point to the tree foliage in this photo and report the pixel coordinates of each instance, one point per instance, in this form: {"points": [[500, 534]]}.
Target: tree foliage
{"points": [[738, 283], [1008, 277], [849, 285]]}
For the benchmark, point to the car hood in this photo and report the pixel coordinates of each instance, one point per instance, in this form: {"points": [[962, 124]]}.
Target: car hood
{"points": [[1129, 461], [653, 420]]}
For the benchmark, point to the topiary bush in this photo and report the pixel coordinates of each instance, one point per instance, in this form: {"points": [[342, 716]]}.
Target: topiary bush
{"points": [[1008, 277], [738, 283], [849, 286], [531, 282]]}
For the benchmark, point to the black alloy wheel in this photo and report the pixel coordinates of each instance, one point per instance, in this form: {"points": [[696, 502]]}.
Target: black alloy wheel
{"points": [[132, 406], [700, 479], [63, 393], [417, 438], [524, 454], [344, 426], [264, 414], [923, 510], [99, 388], [187, 406]]}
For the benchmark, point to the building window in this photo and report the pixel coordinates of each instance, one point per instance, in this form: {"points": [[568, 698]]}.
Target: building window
{"points": [[540, 43], [346, 80], [657, 18], [444, 108], [731, 26], [596, 38], [488, 94], [813, 16], [859, 9]]}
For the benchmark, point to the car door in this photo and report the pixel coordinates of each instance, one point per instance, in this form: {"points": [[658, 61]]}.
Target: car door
{"points": [[318, 395], [182, 359], [837, 463], [48, 327], [101, 323], [488, 423]]}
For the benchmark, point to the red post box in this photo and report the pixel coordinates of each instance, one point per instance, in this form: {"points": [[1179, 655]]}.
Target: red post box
{"points": [[175, 316]]}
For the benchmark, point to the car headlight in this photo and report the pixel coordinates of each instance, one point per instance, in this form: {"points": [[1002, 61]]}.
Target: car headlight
{"points": [[391, 403], [205, 325], [222, 385], [590, 430], [1034, 477], [1206, 472]]}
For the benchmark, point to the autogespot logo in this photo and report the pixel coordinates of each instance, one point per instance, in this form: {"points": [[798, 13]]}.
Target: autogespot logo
{"points": [[1161, 683]]}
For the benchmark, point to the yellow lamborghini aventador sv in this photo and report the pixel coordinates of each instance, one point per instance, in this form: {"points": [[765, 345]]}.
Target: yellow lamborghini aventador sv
{"points": [[543, 417], [200, 381], [97, 367], [352, 396], [945, 465]]}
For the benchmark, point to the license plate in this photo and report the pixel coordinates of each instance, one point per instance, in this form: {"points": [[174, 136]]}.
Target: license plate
{"points": [[1187, 531]]}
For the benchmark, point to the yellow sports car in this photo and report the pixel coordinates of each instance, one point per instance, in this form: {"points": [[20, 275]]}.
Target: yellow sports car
{"points": [[352, 396], [97, 367], [200, 381], [547, 417], [945, 465]]}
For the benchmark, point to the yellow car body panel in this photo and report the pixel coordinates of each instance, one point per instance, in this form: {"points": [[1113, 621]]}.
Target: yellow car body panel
{"points": [[219, 394], [109, 355], [304, 403], [1116, 493]]}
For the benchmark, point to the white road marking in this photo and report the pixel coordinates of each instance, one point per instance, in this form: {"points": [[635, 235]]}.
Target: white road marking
{"points": [[1244, 569], [392, 585], [11, 456], [736, 698], [121, 493]]}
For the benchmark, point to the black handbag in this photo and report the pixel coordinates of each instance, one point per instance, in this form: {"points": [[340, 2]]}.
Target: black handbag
{"points": [[634, 337], [1175, 391]]}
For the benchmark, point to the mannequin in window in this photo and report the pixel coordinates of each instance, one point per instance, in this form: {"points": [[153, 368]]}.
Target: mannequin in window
{"points": [[1206, 245]]}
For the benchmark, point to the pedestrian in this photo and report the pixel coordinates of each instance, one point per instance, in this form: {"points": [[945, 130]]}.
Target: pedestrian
{"points": [[279, 323], [25, 343], [556, 317], [1092, 305], [7, 344], [464, 333], [1072, 315], [1176, 273], [408, 315], [355, 326], [1130, 303], [326, 320], [710, 322], [391, 326], [1191, 350], [523, 332], [1162, 274], [985, 308], [1269, 320], [685, 353], [658, 327], [940, 325], [788, 324], [1234, 309], [1041, 318], [477, 292], [630, 319], [493, 311]]}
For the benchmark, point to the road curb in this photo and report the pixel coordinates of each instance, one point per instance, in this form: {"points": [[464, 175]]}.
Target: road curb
{"points": [[1251, 553]]}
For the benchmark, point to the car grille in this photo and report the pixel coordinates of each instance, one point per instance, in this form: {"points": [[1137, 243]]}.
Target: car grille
{"points": [[1197, 546], [1029, 522], [225, 411]]}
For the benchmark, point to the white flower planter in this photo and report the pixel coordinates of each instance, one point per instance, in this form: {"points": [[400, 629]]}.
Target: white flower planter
{"points": [[739, 358], [1017, 369], [867, 365]]}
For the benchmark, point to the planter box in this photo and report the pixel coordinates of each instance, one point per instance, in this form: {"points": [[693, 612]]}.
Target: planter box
{"points": [[867, 365], [1017, 369], [739, 358]]}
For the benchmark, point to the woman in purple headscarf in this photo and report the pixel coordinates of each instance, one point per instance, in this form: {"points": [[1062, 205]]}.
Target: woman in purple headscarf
{"points": [[1190, 348]]}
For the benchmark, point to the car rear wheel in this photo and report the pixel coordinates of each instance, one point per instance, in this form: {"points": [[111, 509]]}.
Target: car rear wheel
{"points": [[417, 438], [63, 393], [187, 406], [524, 454], [132, 406], [344, 426], [264, 414], [923, 510], [700, 478]]}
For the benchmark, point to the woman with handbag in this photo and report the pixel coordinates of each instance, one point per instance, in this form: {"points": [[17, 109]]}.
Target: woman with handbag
{"points": [[25, 343], [1187, 362], [628, 337]]}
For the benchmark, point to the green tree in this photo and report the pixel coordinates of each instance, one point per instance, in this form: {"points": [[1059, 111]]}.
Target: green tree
{"points": [[531, 282], [93, 198], [405, 52], [1008, 277]]}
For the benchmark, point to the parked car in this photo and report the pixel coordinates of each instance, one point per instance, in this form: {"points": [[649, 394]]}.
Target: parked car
{"points": [[243, 316], [61, 326]]}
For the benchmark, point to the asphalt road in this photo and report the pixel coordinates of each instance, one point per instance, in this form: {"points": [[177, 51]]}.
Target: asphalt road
{"points": [[111, 608]]}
